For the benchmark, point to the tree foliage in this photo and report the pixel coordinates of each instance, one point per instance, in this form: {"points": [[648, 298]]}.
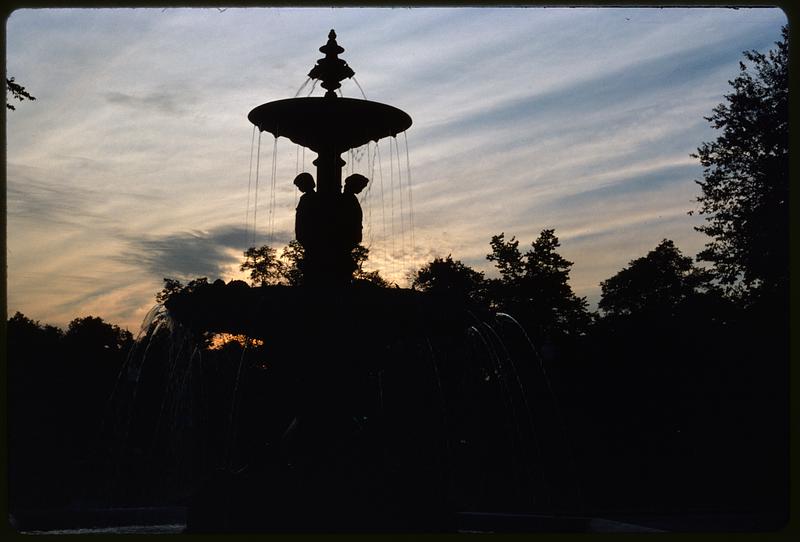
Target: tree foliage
{"points": [[656, 282], [535, 285], [91, 332], [17, 91], [745, 185], [450, 277], [264, 265], [173, 286], [293, 255], [360, 256], [30, 343]]}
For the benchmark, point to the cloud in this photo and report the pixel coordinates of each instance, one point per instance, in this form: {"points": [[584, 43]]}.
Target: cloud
{"points": [[188, 255], [38, 196], [671, 74], [41, 202], [160, 101], [627, 186]]}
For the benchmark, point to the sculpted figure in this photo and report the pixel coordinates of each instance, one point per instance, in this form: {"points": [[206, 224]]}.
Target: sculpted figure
{"points": [[329, 226], [351, 214], [306, 227]]}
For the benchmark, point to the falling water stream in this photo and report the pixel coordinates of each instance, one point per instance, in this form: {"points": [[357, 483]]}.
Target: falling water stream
{"points": [[359, 87], [271, 225], [410, 200], [400, 199], [255, 204], [249, 184], [299, 90]]}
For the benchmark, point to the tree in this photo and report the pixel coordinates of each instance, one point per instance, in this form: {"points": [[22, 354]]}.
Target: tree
{"points": [[31, 344], [264, 266], [535, 286], [657, 282], [450, 277], [17, 91], [360, 255], [171, 287], [372, 277], [745, 185], [91, 333], [292, 270], [22, 330], [38, 395], [293, 256]]}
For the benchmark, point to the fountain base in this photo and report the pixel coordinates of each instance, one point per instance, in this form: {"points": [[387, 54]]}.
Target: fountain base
{"points": [[363, 311]]}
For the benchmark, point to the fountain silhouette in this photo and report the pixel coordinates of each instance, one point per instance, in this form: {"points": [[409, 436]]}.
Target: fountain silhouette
{"points": [[349, 407]]}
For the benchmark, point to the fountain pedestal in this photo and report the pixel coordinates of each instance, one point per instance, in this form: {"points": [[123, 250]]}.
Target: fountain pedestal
{"points": [[329, 172]]}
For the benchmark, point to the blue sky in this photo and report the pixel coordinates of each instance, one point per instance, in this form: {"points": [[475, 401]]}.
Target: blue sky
{"points": [[133, 163]]}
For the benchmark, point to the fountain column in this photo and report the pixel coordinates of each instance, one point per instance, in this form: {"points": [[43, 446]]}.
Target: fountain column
{"points": [[329, 171]]}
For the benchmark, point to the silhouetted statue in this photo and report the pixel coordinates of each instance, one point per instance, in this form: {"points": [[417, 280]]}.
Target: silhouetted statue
{"points": [[308, 227], [329, 226], [348, 227], [307, 211], [351, 214]]}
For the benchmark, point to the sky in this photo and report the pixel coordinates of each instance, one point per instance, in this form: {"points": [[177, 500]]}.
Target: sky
{"points": [[137, 162]]}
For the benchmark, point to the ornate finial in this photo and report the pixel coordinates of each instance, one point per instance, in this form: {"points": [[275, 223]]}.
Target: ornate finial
{"points": [[331, 70]]}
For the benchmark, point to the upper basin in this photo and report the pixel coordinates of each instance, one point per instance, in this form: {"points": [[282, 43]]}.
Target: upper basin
{"points": [[330, 123]]}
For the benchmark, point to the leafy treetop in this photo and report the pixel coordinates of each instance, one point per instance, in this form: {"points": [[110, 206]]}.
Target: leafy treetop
{"points": [[656, 282], [535, 286], [745, 185], [451, 277]]}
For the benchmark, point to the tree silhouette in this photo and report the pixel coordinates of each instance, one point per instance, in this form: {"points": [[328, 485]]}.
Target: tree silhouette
{"points": [[745, 186], [171, 287], [61, 386], [450, 277], [17, 91], [24, 330], [535, 286], [745, 197], [360, 255], [92, 333], [37, 432], [292, 270], [656, 282], [266, 268], [264, 265]]}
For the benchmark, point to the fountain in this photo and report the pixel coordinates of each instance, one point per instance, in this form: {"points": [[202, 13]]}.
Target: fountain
{"points": [[367, 408]]}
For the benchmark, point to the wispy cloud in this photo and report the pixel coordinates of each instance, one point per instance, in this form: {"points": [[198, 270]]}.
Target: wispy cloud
{"points": [[188, 255], [159, 101]]}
